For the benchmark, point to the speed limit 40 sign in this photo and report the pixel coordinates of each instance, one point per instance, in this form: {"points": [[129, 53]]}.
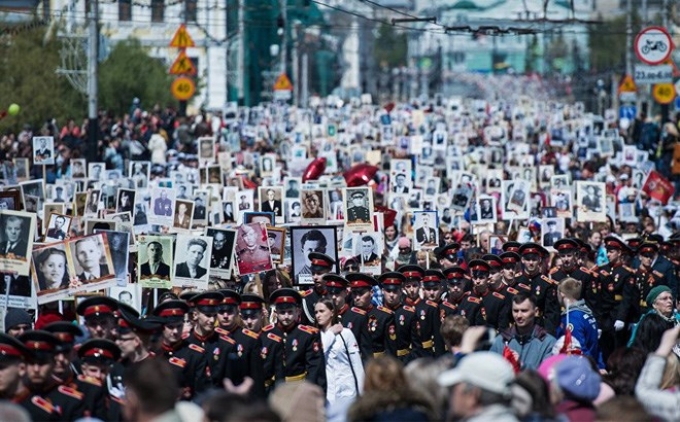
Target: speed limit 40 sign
{"points": [[663, 93], [183, 88]]}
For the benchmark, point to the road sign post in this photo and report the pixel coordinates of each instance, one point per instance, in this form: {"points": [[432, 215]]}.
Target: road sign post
{"points": [[183, 87]]}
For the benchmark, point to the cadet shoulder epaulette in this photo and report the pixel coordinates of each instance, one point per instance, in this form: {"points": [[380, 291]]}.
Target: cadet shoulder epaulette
{"points": [[586, 270], [512, 290], [449, 305], [185, 335], [409, 308], [358, 310], [499, 295], [554, 270], [656, 273], [524, 286], [604, 273], [71, 392], [628, 268], [386, 310], [196, 348], [251, 334], [308, 329], [274, 337], [268, 327], [222, 331], [177, 362], [306, 293], [228, 339], [594, 268], [473, 299], [89, 380], [43, 404], [432, 303], [548, 280]]}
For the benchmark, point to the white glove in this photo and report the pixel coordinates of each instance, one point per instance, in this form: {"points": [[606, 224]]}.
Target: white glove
{"points": [[618, 325]]}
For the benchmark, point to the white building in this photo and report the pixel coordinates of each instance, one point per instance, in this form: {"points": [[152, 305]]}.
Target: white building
{"points": [[154, 22]]}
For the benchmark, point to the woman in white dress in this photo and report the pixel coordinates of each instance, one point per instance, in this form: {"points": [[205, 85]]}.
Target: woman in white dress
{"points": [[344, 369]]}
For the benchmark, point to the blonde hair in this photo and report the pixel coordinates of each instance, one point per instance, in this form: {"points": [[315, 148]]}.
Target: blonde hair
{"points": [[671, 372], [571, 288], [385, 373]]}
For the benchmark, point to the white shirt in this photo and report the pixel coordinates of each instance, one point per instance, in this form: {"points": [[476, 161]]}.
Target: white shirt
{"points": [[339, 379]]}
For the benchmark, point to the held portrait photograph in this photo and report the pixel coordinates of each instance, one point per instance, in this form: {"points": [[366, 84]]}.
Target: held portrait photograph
{"points": [[17, 231], [43, 150], [192, 261], [50, 272], [358, 208], [119, 246], [591, 202], [306, 239], [90, 263], [252, 249], [222, 255], [155, 261]]}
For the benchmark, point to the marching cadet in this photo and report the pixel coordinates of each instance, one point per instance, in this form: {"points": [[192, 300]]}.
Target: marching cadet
{"points": [[509, 272], [663, 266], [448, 255], [351, 317], [494, 305], [495, 281], [427, 312], [98, 314], [244, 359], [380, 319], [302, 350], [204, 309], [13, 386], [613, 278], [542, 287], [97, 357], [511, 246], [320, 265], [568, 251], [134, 336], [43, 347], [94, 394], [187, 360], [432, 284], [272, 345], [404, 315], [643, 280], [458, 300]]}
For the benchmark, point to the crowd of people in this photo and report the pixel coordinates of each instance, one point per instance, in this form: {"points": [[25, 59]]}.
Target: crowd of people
{"points": [[442, 259]]}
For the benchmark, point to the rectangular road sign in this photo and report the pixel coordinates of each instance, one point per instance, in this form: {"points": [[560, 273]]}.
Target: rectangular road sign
{"points": [[645, 74]]}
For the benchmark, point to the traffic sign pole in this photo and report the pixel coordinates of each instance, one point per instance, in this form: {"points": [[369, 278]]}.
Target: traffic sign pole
{"points": [[182, 88]]}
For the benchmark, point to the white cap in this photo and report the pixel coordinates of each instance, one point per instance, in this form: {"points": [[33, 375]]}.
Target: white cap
{"points": [[486, 370]]}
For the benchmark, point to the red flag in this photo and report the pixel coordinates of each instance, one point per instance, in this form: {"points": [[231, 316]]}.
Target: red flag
{"points": [[658, 187], [510, 357], [567, 347]]}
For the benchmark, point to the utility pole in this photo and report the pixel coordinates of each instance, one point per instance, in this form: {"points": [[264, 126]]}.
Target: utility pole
{"points": [[92, 81], [284, 37], [305, 80], [629, 38], [295, 63]]}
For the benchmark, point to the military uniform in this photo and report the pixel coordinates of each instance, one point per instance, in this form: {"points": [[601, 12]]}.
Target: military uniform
{"points": [[213, 345], [357, 320], [94, 394], [38, 408], [272, 356], [545, 291], [302, 350], [358, 214], [427, 318], [469, 306], [382, 330], [243, 359], [320, 264], [254, 260]]}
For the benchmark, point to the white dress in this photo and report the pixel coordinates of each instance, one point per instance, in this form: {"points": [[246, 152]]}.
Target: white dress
{"points": [[340, 382]]}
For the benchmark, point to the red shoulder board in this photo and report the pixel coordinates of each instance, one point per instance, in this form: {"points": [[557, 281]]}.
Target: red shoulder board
{"points": [[220, 330], [594, 268], [473, 299], [268, 327], [43, 404], [358, 310], [604, 273], [499, 295], [177, 362], [228, 339], [553, 271], [71, 392], [274, 337], [90, 380], [548, 280], [185, 335], [249, 333], [197, 348], [524, 286], [512, 290], [306, 293], [308, 329], [432, 303], [409, 308], [628, 268], [117, 400], [586, 270], [386, 310], [658, 274], [450, 306]]}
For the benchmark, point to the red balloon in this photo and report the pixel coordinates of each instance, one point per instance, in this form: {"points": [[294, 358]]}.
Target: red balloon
{"points": [[389, 215], [389, 107], [360, 174], [314, 169]]}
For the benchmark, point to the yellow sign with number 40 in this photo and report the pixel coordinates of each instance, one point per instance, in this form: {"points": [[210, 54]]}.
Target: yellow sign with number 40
{"points": [[183, 88], [663, 93]]}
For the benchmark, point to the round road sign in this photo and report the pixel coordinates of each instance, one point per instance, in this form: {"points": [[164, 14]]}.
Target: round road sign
{"points": [[663, 93], [183, 88], [653, 45]]}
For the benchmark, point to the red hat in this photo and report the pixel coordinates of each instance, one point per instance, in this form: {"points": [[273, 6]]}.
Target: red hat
{"points": [[479, 266], [334, 280], [361, 281], [531, 248], [433, 277], [494, 261], [510, 257], [285, 296], [566, 246], [455, 274], [392, 279], [412, 272]]}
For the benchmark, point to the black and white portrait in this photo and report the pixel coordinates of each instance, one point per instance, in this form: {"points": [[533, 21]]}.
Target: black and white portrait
{"points": [[43, 150], [221, 257], [155, 261], [16, 241], [306, 239], [192, 261]]}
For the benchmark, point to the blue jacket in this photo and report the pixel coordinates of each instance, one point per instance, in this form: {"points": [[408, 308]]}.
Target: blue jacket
{"points": [[583, 328], [532, 349]]}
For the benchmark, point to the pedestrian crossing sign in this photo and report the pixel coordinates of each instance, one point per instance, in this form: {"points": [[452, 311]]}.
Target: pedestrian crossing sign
{"points": [[627, 85]]}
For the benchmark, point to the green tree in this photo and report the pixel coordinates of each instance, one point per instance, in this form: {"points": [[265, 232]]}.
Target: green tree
{"points": [[391, 47], [130, 72], [607, 43], [28, 64]]}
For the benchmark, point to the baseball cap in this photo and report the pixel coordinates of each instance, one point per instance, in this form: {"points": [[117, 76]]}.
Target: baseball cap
{"points": [[486, 370]]}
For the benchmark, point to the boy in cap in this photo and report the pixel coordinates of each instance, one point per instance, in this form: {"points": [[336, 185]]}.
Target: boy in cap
{"points": [[43, 347], [542, 287], [187, 360], [510, 262], [134, 336], [98, 357], [319, 265], [458, 299], [427, 312], [404, 316], [494, 305], [352, 317], [448, 255], [614, 277], [304, 359], [98, 313]]}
